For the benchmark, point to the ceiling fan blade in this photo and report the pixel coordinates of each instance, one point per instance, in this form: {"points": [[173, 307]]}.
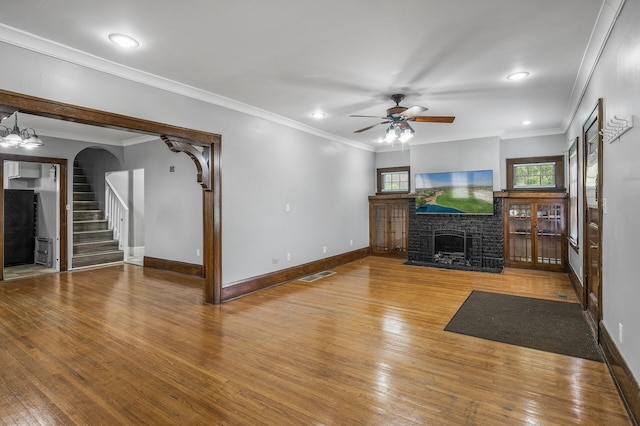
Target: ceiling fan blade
{"points": [[413, 111], [370, 127], [433, 119], [366, 116]]}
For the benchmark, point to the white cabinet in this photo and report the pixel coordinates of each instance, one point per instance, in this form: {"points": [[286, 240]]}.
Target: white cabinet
{"points": [[21, 170]]}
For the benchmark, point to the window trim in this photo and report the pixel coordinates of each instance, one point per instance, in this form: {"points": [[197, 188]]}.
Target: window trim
{"points": [[379, 173], [558, 160], [574, 152]]}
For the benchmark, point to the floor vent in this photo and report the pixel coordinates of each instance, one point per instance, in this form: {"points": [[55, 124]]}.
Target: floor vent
{"points": [[562, 295], [315, 277]]}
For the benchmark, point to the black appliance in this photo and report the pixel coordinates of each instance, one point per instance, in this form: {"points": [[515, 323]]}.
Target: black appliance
{"points": [[19, 226]]}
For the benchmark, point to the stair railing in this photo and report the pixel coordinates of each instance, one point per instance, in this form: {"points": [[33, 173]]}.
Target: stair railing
{"points": [[116, 213]]}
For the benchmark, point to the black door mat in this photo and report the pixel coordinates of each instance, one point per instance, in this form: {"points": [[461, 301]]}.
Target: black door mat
{"points": [[546, 325]]}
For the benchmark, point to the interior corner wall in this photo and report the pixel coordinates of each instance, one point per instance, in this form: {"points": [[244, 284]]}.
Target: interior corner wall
{"points": [[616, 79], [457, 156], [265, 167], [172, 202]]}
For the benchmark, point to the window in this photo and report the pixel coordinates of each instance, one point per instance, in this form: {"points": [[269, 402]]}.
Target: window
{"points": [[536, 173], [393, 180], [573, 195]]}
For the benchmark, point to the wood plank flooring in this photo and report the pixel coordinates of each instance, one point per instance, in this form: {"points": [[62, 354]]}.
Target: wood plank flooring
{"points": [[129, 345]]}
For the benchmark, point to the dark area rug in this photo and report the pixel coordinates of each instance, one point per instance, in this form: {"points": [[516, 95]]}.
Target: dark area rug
{"points": [[546, 325]]}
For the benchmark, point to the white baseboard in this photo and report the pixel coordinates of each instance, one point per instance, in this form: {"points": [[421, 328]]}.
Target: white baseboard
{"points": [[136, 251]]}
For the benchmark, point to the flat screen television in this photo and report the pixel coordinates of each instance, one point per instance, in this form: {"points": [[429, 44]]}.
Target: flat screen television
{"points": [[455, 192]]}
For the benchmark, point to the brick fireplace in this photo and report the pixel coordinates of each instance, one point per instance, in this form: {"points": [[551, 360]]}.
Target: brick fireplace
{"points": [[453, 241]]}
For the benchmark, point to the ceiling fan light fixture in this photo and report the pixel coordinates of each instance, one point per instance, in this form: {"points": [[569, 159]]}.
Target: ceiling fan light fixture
{"points": [[391, 134], [318, 115], [526, 122], [406, 134], [520, 75]]}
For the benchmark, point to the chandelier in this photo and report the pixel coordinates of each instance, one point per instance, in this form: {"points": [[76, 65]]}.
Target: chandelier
{"points": [[15, 137]]}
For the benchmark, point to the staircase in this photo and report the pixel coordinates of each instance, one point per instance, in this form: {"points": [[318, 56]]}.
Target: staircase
{"points": [[93, 242]]}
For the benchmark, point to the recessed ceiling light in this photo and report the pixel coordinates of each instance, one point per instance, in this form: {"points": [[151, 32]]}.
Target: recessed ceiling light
{"points": [[124, 40], [526, 122], [318, 115], [518, 76]]}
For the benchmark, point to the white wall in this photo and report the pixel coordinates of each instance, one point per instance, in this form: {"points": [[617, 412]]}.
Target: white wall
{"points": [[457, 156], [129, 184], [264, 167], [172, 202], [616, 79]]}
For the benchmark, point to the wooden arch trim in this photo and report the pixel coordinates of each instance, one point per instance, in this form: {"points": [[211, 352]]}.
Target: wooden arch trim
{"points": [[200, 158], [182, 139]]}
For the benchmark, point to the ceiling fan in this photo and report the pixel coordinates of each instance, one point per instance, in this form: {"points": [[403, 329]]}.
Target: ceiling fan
{"points": [[398, 118]]}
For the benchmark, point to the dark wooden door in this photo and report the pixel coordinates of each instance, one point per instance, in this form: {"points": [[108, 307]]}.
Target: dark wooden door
{"points": [[593, 214]]}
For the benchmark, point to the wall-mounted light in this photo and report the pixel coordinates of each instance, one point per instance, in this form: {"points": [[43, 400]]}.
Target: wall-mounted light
{"points": [[15, 137]]}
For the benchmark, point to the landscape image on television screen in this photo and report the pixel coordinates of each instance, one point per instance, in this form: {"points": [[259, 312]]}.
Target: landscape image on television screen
{"points": [[455, 192]]}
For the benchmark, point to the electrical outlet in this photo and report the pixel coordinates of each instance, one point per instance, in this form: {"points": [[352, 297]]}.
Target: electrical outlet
{"points": [[620, 332], [287, 207], [350, 242], [288, 257], [198, 252], [274, 261], [324, 249]]}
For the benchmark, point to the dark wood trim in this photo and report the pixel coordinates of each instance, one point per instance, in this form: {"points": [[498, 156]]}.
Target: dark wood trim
{"points": [[11, 101], [173, 266], [622, 376], [62, 212], [557, 159], [524, 194], [595, 117], [392, 197], [577, 285], [212, 232], [391, 170], [241, 288]]}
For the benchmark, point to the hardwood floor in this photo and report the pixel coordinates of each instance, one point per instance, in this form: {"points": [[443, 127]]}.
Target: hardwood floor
{"points": [[128, 345]]}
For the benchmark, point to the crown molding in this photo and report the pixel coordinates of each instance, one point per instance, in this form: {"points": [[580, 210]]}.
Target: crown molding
{"points": [[605, 22], [62, 52]]}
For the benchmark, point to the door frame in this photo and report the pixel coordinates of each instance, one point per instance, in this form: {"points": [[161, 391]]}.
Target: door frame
{"points": [[595, 117], [202, 147], [62, 197]]}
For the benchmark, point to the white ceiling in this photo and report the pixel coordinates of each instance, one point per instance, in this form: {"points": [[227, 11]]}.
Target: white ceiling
{"points": [[285, 59]]}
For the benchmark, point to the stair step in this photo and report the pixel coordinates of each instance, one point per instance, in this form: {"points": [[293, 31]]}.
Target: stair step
{"points": [[78, 171], [92, 236], [84, 196], [89, 225], [99, 258], [81, 187], [83, 215], [95, 247], [86, 205], [80, 179]]}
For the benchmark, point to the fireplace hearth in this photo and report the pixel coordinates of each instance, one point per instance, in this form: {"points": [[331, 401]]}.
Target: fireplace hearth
{"points": [[453, 241], [452, 247]]}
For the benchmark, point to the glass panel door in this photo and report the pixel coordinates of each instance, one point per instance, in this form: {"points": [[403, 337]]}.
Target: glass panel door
{"points": [[520, 247], [549, 228], [380, 236]]}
